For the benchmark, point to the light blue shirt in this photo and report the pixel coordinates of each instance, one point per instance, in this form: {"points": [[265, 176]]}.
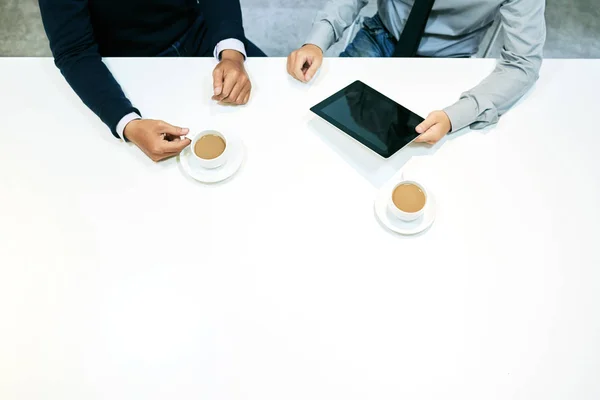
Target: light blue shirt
{"points": [[456, 29]]}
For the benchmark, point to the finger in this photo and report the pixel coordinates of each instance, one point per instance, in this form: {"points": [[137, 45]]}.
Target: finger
{"points": [[161, 157], [163, 127], [297, 67], [431, 136], [159, 151], [228, 85], [235, 92], [218, 80], [247, 98], [175, 146], [424, 126], [289, 63], [305, 68], [229, 82], [245, 92], [314, 67], [169, 138]]}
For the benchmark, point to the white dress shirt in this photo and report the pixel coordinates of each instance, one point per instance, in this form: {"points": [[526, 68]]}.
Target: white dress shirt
{"points": [[227, 44]]}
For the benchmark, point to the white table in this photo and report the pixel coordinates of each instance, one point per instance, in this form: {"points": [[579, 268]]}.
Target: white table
{"points": [[123, 279]]}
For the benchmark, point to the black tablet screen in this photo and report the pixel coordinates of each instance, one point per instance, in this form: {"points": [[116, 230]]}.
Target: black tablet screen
{"points": [[370, 117]]}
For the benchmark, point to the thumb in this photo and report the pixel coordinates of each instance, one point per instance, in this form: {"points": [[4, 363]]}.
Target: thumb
{"points": [[172, 130], [218, 76], [314, 67], [431, 136], [427, 124]]}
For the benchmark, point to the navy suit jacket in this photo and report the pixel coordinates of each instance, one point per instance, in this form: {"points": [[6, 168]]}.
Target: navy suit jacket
{"points": [[81, 32]]}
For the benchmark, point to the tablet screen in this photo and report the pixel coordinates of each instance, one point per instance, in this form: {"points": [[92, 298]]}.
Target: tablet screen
{"points": [[373, 119]]}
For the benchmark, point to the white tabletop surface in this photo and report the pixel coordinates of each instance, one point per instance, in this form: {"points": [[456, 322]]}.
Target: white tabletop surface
{"points": [[123, 279]]}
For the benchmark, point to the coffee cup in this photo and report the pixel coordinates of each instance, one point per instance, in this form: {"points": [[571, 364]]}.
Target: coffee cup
{"points": [[408, 200], [209, 149]]}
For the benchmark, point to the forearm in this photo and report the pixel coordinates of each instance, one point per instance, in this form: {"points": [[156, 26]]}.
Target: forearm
{"points": [[484, 104], [98, 89], [524, 35], [71, 35], [331, 22]]}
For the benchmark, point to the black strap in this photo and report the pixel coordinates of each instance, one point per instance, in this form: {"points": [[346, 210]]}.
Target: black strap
{"points": [[411, 36]]}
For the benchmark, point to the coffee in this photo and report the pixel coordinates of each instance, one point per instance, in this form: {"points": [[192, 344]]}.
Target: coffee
{"points": [[409, 197], [209, 147]]}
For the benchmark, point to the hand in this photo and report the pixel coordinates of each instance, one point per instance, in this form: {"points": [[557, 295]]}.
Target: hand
{"points": [[230, 80], [434, 128], [157, 139], [304, 63]]}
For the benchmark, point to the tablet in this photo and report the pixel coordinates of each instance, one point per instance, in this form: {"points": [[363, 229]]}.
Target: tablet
{"points": [[371, 118]]}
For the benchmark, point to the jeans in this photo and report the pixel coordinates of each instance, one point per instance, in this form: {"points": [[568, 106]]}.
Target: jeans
{"points": [[194, 43], [373, 40]]}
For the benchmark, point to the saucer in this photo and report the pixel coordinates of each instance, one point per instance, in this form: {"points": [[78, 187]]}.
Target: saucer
{"points": [[399, 226], [225, 171]]}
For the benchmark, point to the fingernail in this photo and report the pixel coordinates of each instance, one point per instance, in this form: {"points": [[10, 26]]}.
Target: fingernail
{"points": [[218, 90], [185, 131], [419, 129]]}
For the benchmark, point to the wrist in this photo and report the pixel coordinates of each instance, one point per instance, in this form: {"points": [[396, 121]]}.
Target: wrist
{"points": [[129, 130], [448, 120], [232, 55], [314, 46]]}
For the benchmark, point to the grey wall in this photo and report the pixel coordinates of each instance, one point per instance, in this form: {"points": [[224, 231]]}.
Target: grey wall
{"points": [[278, 26]]}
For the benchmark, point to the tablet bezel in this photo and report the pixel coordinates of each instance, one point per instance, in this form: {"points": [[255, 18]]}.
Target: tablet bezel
{"points": [[318, 110]]}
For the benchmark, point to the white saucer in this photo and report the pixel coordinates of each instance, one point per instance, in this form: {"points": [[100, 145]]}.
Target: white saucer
{"points": [[397, 225], [225, 171]]}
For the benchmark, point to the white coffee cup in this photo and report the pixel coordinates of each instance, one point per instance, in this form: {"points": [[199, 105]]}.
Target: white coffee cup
{"points": [[403, 215], [197, 161]]}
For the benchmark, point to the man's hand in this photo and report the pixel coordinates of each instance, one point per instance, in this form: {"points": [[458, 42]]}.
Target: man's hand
{"points": [[157, 139], [230, 80], [304, 63], [434, 128]]}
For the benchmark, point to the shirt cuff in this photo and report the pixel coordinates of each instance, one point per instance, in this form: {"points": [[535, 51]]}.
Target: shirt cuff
{"points": [[322, 35], [462, 113], [123, 123], [229, 44]]}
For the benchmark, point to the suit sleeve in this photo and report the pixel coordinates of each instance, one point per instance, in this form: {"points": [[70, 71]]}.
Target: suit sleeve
{"points": [[69, 29], [223, 20], [517, 71]]}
